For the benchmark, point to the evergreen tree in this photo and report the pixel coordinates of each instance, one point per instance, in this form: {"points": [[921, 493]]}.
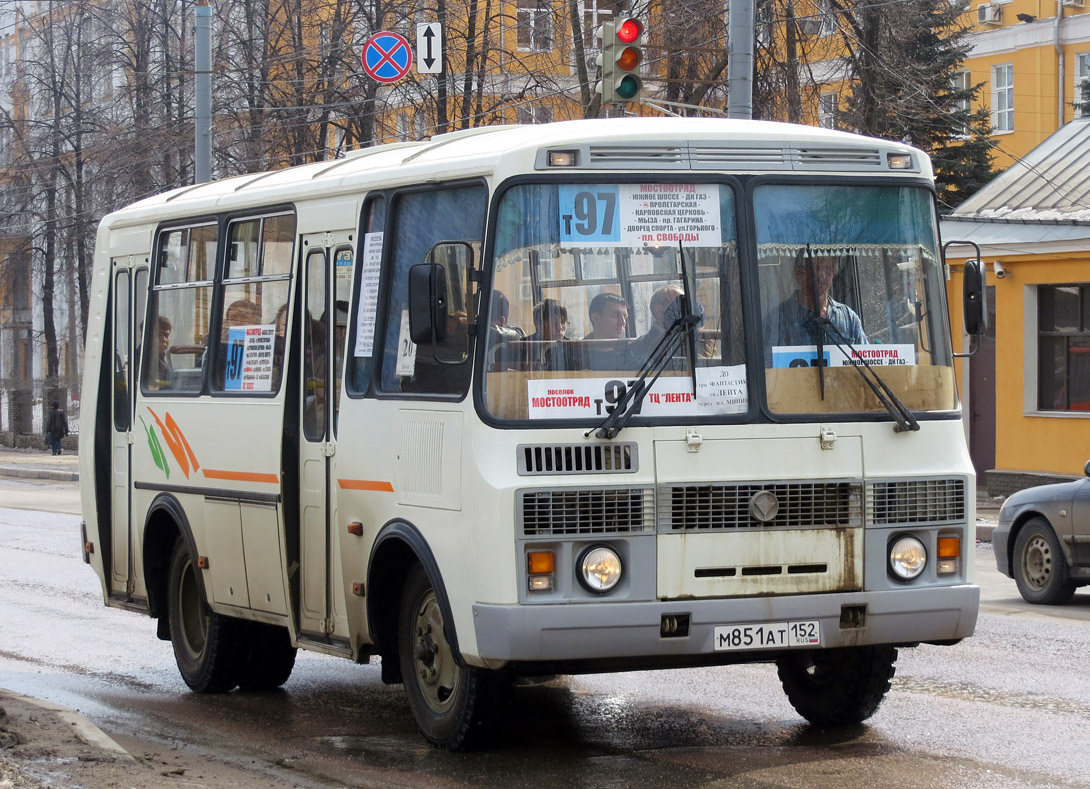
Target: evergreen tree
{"points": [[903, 61]]}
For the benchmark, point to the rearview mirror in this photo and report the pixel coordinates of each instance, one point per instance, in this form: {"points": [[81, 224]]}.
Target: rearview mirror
{"points": [[427, 303], [974, 298]]}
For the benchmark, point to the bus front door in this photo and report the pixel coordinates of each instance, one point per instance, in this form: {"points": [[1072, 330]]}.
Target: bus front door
{"points": [[321, 595], [130, 287]]}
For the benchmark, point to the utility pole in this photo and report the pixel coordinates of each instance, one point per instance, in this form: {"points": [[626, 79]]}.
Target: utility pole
{"points": [[202, 93], [740, 60]]}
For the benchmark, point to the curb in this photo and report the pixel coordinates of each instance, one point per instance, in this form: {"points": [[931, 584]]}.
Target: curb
{"points": [[39, 473], [85, 730]]}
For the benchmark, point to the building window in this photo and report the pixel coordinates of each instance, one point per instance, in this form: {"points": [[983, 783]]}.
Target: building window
{"points": [[1063, 338], [533, 113], [1003, 98], [595, 12], [534, 26], [1082, 85], [827, 106], [961, 86]]}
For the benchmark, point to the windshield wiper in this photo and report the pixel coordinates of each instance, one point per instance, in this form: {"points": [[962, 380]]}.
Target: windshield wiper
{"points": [[906, 422], [683, 327], [652, 368]]}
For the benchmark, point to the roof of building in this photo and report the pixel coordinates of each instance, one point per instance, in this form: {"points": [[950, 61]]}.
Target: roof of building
{"points": [[1051, 184]]}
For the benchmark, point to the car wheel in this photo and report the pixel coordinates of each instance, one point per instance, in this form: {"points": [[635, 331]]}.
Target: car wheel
{"points": [[454, 705], [1040, 569], [837, 687]]}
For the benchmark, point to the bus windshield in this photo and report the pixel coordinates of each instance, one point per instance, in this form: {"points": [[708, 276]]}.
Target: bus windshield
{"points": [[851, 274], [588, 282], [590, 279]]}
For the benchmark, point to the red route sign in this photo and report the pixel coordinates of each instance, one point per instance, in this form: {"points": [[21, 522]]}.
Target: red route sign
{"points": [[387, 57]]}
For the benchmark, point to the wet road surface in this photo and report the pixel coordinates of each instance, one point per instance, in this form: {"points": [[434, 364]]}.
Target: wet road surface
{"points": [[1007, 708]]}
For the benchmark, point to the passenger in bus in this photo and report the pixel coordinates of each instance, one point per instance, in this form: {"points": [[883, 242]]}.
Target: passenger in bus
{"points": [[608, 320], [794, 322], [499, 332], [165, 367], [608, 317], [242, 313], [539, 351], [662, 317]]}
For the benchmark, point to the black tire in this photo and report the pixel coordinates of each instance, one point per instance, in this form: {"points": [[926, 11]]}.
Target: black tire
{"points": [[1040, 569], [205, 643], [266, 656], [837, 687], [454, 706]]}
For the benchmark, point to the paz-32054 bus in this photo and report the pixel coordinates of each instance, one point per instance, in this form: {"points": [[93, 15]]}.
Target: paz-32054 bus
{"points": [[577, 397]]}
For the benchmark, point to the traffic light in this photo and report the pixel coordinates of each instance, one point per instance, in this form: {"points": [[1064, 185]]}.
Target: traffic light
{"points": [[620, 60]]}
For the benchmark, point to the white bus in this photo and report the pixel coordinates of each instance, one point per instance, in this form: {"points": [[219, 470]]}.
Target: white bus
{"points": [[578, 397]]}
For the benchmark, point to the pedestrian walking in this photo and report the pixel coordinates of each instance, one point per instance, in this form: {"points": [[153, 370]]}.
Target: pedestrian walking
{"points": [[56, 428]]}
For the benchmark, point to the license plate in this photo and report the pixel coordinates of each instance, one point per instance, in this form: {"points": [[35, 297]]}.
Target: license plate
{"points": [[768, 635]]}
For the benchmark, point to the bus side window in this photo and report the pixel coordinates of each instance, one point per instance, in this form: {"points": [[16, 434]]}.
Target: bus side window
{"points": [[422, 220], [176, 331], [248, 359]]}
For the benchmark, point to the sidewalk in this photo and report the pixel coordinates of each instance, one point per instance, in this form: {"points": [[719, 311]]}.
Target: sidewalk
{"points": [[39, 464]]}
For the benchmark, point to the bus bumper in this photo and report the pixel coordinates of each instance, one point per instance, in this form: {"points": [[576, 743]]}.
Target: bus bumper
{"points": [[625, 629]]}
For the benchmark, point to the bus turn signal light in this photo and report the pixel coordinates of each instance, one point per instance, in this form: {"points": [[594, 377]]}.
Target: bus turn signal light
{"points": [[540, 566], [949, 547]]}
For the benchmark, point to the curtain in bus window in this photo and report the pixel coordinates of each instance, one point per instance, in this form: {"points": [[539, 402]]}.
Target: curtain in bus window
{"points": [[176, 333], [421, 221]]}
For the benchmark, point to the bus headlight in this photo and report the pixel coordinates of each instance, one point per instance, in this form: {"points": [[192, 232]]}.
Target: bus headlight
{"points": [[907, 558], [599, 569]]}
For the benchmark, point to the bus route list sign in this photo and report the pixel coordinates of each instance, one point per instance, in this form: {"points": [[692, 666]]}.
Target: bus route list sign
{"points": [[637, 215], [387, 57], [250, 358]]}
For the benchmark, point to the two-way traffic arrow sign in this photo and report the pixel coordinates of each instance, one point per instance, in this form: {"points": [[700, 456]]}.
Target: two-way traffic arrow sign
{"points": [[429, 48]]}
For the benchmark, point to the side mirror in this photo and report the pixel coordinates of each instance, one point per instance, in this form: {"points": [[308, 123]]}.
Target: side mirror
{"points": [[974, 299], [427, 303], [1086, 468]]}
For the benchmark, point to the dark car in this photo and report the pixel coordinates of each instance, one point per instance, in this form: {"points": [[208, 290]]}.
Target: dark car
{"points": [[1043, 540]]}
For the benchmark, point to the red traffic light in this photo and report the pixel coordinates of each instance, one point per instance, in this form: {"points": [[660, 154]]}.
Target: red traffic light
{"points": [[629, 31]]}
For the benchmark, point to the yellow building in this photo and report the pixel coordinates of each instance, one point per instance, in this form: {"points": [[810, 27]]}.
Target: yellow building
{"points": [[1026, 391], [1033, 57]]}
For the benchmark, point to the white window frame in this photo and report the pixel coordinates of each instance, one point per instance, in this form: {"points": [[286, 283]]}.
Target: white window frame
{"points": [[1003, 98], [962, 81], [1082, 75], [528, 113], [828, 104], [536, 18]]}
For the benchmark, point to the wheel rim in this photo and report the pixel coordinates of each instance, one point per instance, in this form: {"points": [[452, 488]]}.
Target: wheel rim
{"points": [[1037, 562], [192, 618], [433, 661]]}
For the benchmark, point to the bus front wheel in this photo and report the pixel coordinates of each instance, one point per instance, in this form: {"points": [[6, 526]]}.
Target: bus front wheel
{"points": [[204, 643], [452, 704], [837, 687]]}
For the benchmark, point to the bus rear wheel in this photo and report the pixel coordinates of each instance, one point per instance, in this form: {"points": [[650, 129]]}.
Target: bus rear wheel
{"points": [[267, 656], [205, 643], [837, 687], [452, 703]]}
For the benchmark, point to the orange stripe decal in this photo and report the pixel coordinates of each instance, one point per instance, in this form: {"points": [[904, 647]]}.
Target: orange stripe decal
{"points": [[366, 484], [241, 476]]}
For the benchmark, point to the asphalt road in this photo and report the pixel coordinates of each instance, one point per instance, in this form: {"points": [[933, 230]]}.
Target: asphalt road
{"points": [[1006, 708]]}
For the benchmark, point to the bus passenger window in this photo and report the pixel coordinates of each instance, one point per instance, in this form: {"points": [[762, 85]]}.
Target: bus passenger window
{"points": [[248, 358], [176, 332], [422, 220]]}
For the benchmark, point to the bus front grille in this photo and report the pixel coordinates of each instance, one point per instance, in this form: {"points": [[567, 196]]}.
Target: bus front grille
{"points": [[912, 501], [567, 511], [613, 458], [799, 505]]}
